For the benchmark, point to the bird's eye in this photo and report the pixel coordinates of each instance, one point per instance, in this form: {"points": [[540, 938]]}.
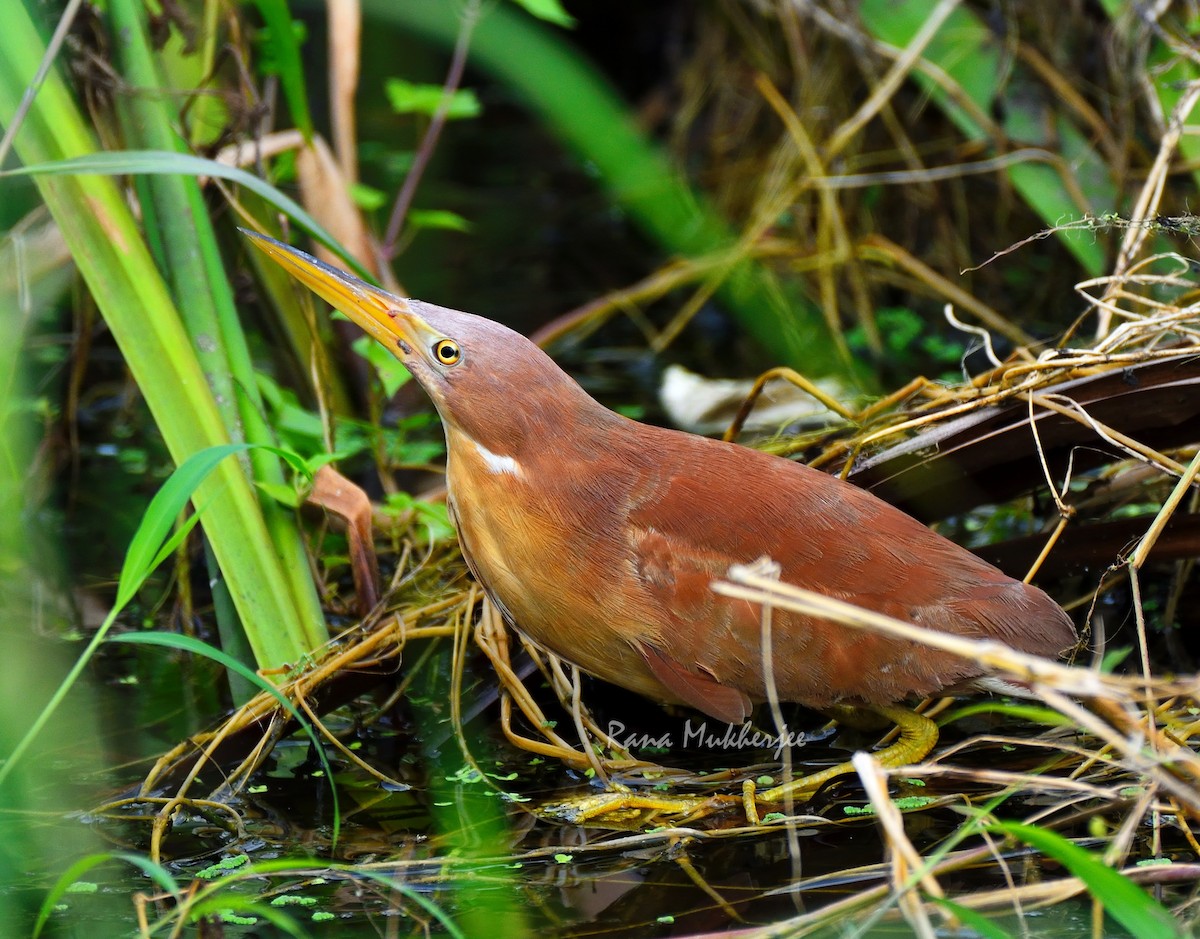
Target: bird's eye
{"points": [[447, 351]]}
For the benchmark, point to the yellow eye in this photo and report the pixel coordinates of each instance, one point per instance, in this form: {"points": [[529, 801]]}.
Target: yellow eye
{"points": [[447, 351]]}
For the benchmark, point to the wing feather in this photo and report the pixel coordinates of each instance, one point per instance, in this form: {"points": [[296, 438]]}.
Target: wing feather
{"points": [[689, 522]]}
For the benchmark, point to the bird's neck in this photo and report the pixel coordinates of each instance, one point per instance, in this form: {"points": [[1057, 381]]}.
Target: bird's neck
{"points": [[517, 427]]}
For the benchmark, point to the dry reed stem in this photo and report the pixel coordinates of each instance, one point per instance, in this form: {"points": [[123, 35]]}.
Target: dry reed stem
{"points": [[908, 868]]}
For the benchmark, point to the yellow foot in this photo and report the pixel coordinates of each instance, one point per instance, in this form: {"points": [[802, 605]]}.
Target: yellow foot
{"points": [[626, 810], [918, 735]]}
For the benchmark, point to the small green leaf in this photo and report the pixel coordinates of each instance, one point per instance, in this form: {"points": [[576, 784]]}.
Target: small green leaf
{"points": [[392, 373], [563, 858], [1114, 657], [913, 802], [437, 218], [466, 775], [367, 198], [408, 97], [223, 867], [549, 10]]}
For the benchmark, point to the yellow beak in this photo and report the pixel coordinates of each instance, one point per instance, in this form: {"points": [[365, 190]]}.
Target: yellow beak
{"points": [[384, 316]]}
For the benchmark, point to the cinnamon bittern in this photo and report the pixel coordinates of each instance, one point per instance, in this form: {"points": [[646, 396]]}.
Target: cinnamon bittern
{"points": [[598, 537]]}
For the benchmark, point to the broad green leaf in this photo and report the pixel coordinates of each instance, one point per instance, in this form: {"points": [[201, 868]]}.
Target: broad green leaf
{"points": [[971, 55]]}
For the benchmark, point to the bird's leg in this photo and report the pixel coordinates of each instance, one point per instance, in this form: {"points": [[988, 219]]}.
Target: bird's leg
{"points": [[918, 735], [629, 810]]}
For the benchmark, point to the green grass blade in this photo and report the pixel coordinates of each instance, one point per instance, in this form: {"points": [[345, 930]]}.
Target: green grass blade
{"points": [[152, 540], [135, 162], [1122, 899], [972, 918], [259, 869], [389, 881], [1033, 713], [219, 903], [156, 872]]}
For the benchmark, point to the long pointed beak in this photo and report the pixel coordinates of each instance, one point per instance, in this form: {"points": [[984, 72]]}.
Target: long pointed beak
{"points": [[384, 316]]}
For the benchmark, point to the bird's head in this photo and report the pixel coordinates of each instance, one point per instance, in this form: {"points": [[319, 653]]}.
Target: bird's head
{"points": [[485, 380]]}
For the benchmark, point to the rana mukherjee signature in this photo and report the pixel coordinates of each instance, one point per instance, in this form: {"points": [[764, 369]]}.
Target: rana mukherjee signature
{"points": [[735, 737]]}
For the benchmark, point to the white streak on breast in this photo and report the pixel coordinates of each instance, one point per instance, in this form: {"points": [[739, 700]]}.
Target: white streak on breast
{"points": [[496, 463]]}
